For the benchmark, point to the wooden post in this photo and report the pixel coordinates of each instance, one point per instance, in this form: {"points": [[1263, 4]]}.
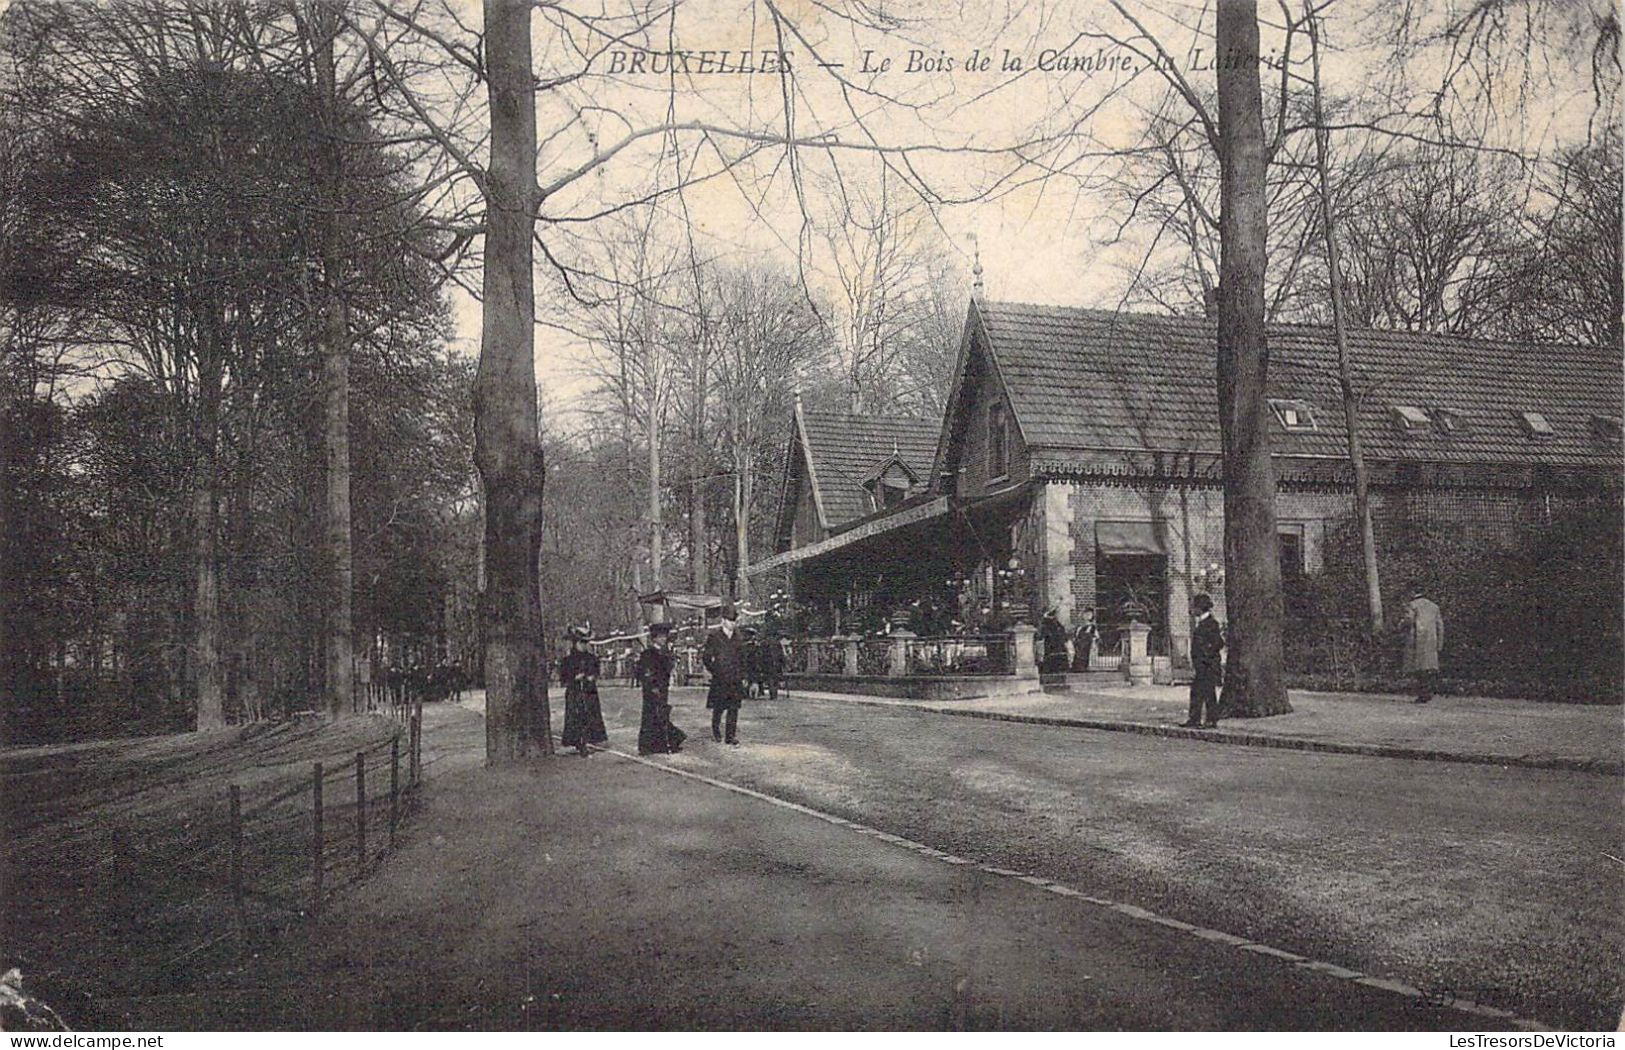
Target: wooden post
{"points": [[394, 786], [237, 858], [417, 750], [360, 814], [316, 843]]}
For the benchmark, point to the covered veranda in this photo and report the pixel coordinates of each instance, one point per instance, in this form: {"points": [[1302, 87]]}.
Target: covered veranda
{"points": [[937, 566]]}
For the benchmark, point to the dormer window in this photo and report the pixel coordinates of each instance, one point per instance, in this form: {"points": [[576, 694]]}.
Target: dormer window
{"points": [[887, 492], [1447, 420], [1295, 417], [1607, 429], [1535, 425], [1410, 418]]}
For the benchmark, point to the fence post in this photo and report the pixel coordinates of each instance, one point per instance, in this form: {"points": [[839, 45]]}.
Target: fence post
{"points": [[360, 814], [237, 859], [394, 786], [417, 749], [316, 849]]}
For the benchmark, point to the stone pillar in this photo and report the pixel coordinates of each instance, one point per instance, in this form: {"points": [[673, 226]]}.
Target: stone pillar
{"points": [[897, 658], [1025, 661], [850, 651], [1136, 655]]}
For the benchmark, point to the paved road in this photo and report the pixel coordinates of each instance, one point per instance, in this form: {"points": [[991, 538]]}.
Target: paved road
{"points": [[1497, 885], [603, 893]]}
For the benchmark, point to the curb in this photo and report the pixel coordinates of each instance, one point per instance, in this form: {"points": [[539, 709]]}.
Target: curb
{"points": [[1245, 739]]}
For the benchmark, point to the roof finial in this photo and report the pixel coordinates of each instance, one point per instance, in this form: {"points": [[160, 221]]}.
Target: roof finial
{"points": [[976, 268]]}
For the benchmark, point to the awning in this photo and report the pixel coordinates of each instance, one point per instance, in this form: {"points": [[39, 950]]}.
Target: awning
{"points": [[924, 512], [1130, 537], [674, 600]]}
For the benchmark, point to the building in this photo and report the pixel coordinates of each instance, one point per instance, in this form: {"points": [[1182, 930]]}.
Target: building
{"points": [[1078, 465]]}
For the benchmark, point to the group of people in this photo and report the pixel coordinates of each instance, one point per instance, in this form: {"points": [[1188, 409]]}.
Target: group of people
{"points": [[1063, 653], [1422, 631], [737, 664]]}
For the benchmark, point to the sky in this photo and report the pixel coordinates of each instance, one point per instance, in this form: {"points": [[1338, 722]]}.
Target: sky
{"points": [[1068, 82]]}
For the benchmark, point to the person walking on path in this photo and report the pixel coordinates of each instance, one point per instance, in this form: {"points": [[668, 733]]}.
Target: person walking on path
{"points": [[1424, 637], [724, 658], [1207, 641], [656, 734], [583, 717], [1083, 641], [1053, 633]]}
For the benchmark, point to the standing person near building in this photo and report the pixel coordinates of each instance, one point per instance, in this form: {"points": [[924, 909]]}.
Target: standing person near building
{"points": [[1424, 638], [770, 664], [1053, 634], [583, 717], [1207, 641], [1083, 641], [656, 734], [724, 658]]}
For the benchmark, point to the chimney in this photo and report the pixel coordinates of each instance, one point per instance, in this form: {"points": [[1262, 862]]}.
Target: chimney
{"points": [[1210, 302]]}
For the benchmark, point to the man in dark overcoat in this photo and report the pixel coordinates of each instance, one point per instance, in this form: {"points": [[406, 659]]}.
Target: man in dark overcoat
{"points": [[1207, 641], [772, 665], [724, 659]]}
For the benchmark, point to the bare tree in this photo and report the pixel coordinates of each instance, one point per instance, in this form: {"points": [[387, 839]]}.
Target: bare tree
{"points": [[1345, 365], [507, 447], [1254, 683]]}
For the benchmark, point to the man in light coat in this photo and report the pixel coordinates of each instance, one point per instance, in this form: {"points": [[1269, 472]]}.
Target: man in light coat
{"points": [[1424, 637]]}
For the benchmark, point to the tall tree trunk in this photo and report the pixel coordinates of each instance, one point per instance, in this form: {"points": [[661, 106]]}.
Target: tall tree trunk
{"points": [[1253, 681], [335, 349], [657, 537], [507, 445], [698, 544], [742, 501], [207, 678], [699, 550], [1345, 368]]}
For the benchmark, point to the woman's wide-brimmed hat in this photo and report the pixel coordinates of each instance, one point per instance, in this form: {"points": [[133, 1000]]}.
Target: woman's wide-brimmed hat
{"points": [[578, 634]]}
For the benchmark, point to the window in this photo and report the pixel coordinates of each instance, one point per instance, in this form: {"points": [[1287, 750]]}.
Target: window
{"points": [[1535, 425], [1294, 416], [1607, 429], [1410, 419], [1447, 420], [998, 442], [886, 492]]}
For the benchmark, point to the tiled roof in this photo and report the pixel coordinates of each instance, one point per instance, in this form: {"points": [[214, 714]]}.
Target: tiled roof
{"points": [[1090, 380], [849, 449]]}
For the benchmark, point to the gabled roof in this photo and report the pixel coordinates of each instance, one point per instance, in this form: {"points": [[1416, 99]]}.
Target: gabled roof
{"points": [[846, 450], [1095, 381]]}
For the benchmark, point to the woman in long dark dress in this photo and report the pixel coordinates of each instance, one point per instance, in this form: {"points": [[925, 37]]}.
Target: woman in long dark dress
{"points": [[583, 717], [656, 734]]}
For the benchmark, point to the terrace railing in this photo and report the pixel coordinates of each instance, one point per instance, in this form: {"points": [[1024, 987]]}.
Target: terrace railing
{"points": [[959, 655], [902, 653]]}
